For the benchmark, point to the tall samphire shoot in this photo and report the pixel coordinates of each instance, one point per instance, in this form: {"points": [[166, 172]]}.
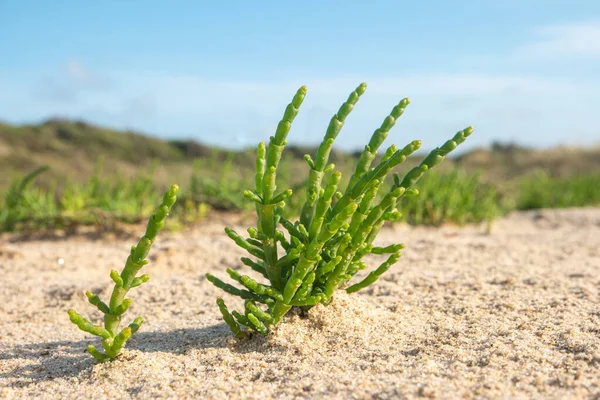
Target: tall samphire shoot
{"points": [[113, 340], [324, 248]]}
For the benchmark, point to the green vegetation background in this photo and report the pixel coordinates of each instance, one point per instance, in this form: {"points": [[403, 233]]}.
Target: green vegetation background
{"points": [[82, 174]]}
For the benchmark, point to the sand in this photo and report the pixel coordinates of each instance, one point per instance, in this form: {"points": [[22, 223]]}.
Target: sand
{"points": [[464, 314]]}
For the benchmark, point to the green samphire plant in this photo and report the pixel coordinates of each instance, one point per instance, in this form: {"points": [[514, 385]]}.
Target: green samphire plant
{"points": [[325, 247], [113, 340]]}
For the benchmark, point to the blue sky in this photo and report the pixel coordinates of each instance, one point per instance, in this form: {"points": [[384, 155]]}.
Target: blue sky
{"points": [[222, 73]]}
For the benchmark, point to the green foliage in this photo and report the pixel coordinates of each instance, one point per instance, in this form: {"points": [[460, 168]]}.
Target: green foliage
{"points": [[540, 190], [113, 340], [128, 200], [43, 200], [25, 202], [98, 201], [455, 196], [215, 183], [324, 248], [101, 201]]}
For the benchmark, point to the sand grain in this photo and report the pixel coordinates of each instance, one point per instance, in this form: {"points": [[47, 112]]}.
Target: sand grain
{"points": [[513, 314]]}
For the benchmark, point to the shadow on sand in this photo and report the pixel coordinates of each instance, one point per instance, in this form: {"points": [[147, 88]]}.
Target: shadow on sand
{"points": [[38, 362]]}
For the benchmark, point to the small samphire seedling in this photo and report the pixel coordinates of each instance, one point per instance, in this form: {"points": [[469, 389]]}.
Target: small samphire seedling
{"points": [[324, 248], [113, 340]]}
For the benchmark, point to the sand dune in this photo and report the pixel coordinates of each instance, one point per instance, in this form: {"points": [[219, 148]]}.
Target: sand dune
{"points": [[464, 314]]}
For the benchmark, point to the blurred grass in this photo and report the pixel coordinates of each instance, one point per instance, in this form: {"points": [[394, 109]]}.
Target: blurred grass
{"points": [[456, 196], [100, 200], [540, 190], [101, 177]]}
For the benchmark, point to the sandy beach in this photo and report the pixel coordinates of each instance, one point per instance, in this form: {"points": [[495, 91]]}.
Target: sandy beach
{"points": [[464, 314]]}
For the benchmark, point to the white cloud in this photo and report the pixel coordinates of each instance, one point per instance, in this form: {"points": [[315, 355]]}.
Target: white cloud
{"points": [[563, 40], [529, 109], [188, 93], [70, 83], [79, 75], [505, 106], [76, 72]]}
